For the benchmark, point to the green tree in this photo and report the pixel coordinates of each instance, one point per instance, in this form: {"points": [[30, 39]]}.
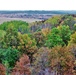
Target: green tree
{"points": [[58, 36], [69, 20], [24, 29], [9, 57], [65, 33], [27, 45], [20, 26], [10, 38], [74, 27], [54, 21], [2, 33], [54, 39]]}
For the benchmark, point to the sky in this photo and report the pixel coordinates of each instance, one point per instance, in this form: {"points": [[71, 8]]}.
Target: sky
{"points": [[37, 4]]}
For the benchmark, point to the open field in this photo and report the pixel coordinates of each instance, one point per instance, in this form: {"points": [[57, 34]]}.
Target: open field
{"points": [[29, 20]]}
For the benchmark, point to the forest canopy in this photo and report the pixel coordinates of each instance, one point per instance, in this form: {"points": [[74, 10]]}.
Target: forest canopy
{"points": [[31, 48]]}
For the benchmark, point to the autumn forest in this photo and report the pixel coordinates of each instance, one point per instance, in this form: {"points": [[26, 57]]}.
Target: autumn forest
{"points": [[46, 47]]}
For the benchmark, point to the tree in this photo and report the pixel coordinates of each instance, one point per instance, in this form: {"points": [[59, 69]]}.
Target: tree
{"points": [[54, 39], [40, 60], [65, 33], [22, 66], [58, 36], [27, 45], [24, 29], [39, 38], [45, 31], [72, 47], [54, 21], [23, 42], [2, 70], [72, 39], [20, 26], [8, 58], [74, 27], [10, 38], [2, 34], [69, 20], [61, 59]]}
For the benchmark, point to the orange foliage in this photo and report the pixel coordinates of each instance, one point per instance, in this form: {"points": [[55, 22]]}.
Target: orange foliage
{"points": [[22, 67], [2, 70]]}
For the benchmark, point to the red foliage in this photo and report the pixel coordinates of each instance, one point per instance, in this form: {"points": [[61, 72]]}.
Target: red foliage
{"points": [[2, 70], [22, 67]]}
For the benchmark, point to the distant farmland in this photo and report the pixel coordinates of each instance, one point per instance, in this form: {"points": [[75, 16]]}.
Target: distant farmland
{"points": [[29, 20]]}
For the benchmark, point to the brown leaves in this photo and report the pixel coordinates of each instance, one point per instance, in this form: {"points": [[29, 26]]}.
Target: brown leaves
{"points": [[22, 67], [2, 70], [61, 58]]}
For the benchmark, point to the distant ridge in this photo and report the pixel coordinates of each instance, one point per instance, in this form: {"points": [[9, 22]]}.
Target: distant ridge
{"points": [[38, 12]]}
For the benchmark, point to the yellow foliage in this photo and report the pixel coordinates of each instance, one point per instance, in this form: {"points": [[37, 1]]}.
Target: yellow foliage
{"points": [[45, 31], [72, 39]]}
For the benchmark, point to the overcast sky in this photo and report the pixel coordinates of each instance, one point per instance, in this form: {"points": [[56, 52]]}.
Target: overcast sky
{"points": [[37, 4]]}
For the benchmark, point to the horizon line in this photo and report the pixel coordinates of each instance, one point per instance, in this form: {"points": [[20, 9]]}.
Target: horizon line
{"points": [[37, 10]]}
